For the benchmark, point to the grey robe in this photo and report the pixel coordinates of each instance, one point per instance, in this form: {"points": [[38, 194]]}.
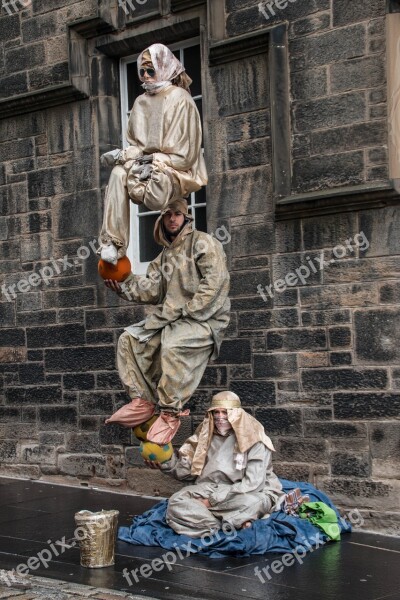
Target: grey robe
{"points": [[239, 486]]}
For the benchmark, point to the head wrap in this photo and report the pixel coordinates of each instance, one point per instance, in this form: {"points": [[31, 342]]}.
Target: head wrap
{"points": [[167, 67], [247, 429], [176, 205]]}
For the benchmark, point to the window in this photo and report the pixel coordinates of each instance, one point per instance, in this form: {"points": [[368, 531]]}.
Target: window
{"points": [[142, 248]]}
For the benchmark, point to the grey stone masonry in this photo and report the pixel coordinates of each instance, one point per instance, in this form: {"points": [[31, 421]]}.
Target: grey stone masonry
{"points": [[312, 348]]}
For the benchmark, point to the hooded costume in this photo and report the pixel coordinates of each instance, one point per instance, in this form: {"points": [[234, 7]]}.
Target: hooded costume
{"points": [[233, 471], [164, 357], [165, 128]]}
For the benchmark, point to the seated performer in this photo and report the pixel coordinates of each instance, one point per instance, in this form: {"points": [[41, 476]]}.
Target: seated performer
{"points": [[164, 160], [164, 357], [229, 458]]}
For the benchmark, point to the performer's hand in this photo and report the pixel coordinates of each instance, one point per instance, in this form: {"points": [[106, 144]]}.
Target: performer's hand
{"points": [[206, 502], [145, 159], [146, 172], [113, 285], [109, 159], [152, 464]]}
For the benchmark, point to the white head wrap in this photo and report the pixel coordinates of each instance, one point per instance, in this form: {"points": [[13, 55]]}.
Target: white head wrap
{"points": [[165, 64]]}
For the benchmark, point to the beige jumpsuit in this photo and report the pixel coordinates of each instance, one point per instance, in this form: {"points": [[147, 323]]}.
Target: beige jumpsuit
{"points": [[163, 358]]}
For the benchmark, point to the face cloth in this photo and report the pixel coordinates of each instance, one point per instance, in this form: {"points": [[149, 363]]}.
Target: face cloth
{"points": [[222, 425], [166, 66]]}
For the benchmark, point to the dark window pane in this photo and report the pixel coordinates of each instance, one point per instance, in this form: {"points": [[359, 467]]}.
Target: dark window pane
{"points": [[143, 209], [134, 84], [134, 10], [193, 68], [199, 104], [201, 218], [200, 197], [148, 249]]}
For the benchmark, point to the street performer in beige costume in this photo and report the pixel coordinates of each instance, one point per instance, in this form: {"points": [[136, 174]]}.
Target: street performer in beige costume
{"points": [[164, 357], [164, 160], [229, 459]]}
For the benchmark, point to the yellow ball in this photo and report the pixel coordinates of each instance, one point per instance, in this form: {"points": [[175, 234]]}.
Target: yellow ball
{"points": [[156, 453], [141, 430]]}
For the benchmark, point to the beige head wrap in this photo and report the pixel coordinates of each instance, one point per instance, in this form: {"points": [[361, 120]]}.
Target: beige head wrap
{"points": [[247, 429], [176, 205], [167, 67]]}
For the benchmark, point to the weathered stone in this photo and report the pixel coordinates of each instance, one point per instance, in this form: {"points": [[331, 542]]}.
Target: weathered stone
{"points": [[294, 450], [312, 359], [315, 173], [268, 319], [339, 337], [346, 465], [351, 378], [366, 405], [274, 366], [41, 454], [296, 339], [280, 421], [310, 84], [377, 334], [344, 12], [330, 141], [145, 481], [255, 393], [341, 358]]}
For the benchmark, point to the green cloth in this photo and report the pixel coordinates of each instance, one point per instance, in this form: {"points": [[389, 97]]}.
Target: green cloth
{"points": [[322, 516]]}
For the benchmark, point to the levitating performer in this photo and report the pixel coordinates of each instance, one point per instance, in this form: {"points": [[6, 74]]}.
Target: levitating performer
{"points": [[164, 357], [229, 461], [164, 160]]}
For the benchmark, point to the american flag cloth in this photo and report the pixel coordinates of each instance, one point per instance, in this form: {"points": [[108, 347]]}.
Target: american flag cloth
{"points": [[292, 502]]}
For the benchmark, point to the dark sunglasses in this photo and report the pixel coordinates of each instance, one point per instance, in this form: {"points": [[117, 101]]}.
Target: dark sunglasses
{"points": [[150, 72]]}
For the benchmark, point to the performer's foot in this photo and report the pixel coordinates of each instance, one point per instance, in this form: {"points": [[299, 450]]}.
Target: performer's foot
{"points": [[109, 254], [164, 429], [136, 412]]}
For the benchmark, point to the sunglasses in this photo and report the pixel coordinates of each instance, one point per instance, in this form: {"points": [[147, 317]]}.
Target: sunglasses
{"points": [[150, 72]]}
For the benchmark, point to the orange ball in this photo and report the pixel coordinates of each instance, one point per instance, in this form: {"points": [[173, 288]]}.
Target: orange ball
{"points": [[118, 272]]}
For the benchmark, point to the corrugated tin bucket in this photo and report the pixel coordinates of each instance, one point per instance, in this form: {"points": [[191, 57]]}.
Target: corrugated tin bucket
{"points": [[97, 533]]}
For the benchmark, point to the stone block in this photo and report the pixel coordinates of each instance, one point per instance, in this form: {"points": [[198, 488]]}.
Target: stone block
{"points": [[280, 421], [83, 465], [85, 443], [40, 454], [361, 73], [332, 296], [317, 414], [312, 360], [246, 154], [335, 430], [295, 450], [352, 137], [110, 434], [311, 83], [377, 333], [382, 230], [30, 373], [214, 377], [318, 172], [345, 12], [7, 314], [350, 465], [346, 271], [341, 358], [55, 335], [12, 337], [17, 59], [8, 451], [61, 418], [339, 337], [326, 317], [229, 80], [274, 366], [269, 319], [293, 471], [20, 471], [344, 109], [50, 182], [39, 27], [51, 438], [296, 339], [248, 126], [235, 352], [246, 282], [9, 27], [296, 270], [9, 415], [96, 403], [80, 359], [118, 317], [252, 240], [344, 379], [84, 296], [365, 406], [50, 394], [255, 393], [330, 47], [381, 495], [38, 317], [79, 381]]}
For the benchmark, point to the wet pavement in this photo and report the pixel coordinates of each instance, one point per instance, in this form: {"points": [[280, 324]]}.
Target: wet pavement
{"points": [[36, 517]]}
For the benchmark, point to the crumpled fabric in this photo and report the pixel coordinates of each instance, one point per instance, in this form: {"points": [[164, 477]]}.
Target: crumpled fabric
{"points": [[280, 533]]}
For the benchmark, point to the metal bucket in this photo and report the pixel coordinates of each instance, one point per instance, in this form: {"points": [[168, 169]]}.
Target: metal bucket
{"points": [[97, 536]]}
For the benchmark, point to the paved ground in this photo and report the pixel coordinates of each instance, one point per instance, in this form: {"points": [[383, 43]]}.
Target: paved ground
{"points": [[36, 516]]}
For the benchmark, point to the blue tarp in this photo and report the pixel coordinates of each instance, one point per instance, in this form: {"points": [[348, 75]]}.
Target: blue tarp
{"points": [[279, 533]]}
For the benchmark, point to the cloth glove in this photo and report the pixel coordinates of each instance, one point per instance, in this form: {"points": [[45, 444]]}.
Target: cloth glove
{"points": [[146, 172], [145, 159], [109, 159]]}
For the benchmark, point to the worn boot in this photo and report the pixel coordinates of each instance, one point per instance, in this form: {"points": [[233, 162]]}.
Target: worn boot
{"points": [[164, 429]]}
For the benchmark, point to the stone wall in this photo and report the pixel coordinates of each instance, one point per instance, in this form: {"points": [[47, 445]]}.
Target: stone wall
{"points": [[315, 359]]}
